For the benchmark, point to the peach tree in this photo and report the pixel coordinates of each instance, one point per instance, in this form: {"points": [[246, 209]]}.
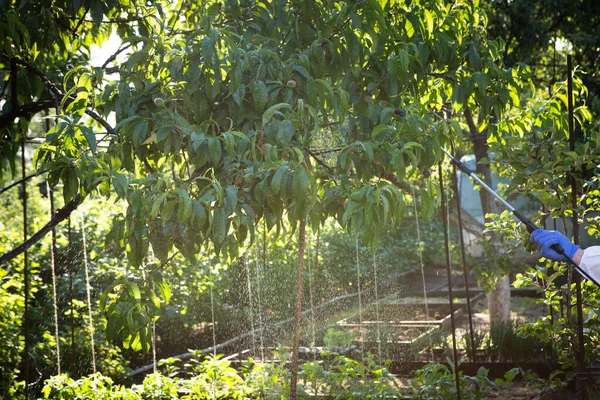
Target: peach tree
{"points": [[215, 116]]}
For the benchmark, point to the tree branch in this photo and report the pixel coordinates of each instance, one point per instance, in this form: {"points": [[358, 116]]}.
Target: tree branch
{"points": [[398, 183], [57, 218], [319, 161], [25, 111], [74, 30], [113, 57], [56, 93], [470, 122], [443, 75], [4, 189], [318, 152]]}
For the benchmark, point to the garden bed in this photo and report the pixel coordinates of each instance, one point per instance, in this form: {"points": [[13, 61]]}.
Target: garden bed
{"points": [[409, 312]]}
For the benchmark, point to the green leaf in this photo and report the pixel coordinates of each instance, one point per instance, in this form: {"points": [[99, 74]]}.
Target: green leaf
{"points": [[133, 290], [302, 71], [380, 130], [300, 184], [403, 60], [184, 209], [272, 110], [232, 197], [311, 93], [199, 212], [214, 150], [90, 137], [140, 132], [157, 204], [474, 59], [71, 184], [260, 193], [165, 291], [97, 11], [429, 21], [120, 184], [326, 86], [219, 226], [260, 93], [398, 164], [277, 178], [285, 133]]}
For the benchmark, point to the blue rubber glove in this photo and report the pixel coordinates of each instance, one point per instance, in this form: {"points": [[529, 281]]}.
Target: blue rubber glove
{"points": [[544, 239]]}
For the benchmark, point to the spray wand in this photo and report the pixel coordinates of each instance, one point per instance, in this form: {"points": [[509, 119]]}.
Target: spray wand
{"points": [[526, 221]]}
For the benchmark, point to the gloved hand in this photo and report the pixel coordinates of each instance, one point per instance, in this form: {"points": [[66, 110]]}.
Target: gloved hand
{"points": [[544, 239]]}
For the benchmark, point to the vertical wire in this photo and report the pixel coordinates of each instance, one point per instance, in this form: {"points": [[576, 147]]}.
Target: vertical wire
{"points": [[212, 309], [258, 287], [246, 264], [299, 288], [154, 364], [72, 368], [377, 308], [312, 302], [214, 338], [153, 322], [464, 264], [89, 297], [53, 267], [360, 320], [420, 252], [444, 206]]}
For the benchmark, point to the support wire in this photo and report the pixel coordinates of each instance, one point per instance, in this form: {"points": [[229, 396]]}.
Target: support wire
{"points": [[360, 320], [53, 267], [420, 252], [88, 289]]}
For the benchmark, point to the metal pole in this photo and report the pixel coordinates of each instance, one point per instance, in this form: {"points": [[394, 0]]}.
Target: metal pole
{"points": [[581, 375], [465, 271], [449, 272]]}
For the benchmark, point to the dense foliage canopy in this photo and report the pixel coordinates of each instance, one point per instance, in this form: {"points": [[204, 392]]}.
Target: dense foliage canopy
{"points": [[216, 120]]}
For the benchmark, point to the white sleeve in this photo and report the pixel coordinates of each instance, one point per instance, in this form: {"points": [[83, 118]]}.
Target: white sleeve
{"points": [[590, 262]]}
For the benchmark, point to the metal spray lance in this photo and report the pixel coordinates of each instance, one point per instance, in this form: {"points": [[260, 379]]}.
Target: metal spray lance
{"points": [[528, 223]]}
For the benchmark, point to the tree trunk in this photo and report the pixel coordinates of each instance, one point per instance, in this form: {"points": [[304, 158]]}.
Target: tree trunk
{"points": [[499, 296]]}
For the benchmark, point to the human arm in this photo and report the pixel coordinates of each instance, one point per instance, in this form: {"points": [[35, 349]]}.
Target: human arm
{"points": [[546, 240], [587, 259]]}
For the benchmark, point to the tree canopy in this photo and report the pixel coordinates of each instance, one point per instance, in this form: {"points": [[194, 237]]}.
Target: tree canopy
{"points": [[230, 113]]}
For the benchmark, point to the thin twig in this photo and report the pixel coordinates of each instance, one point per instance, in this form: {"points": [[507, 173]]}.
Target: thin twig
{"points": [[113, 57], [74, 30], [25, 111], [4, 189], [325, 151], [320, 162]]}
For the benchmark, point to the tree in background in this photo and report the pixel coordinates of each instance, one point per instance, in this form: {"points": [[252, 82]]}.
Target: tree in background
{"points": [[541, 33]]}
